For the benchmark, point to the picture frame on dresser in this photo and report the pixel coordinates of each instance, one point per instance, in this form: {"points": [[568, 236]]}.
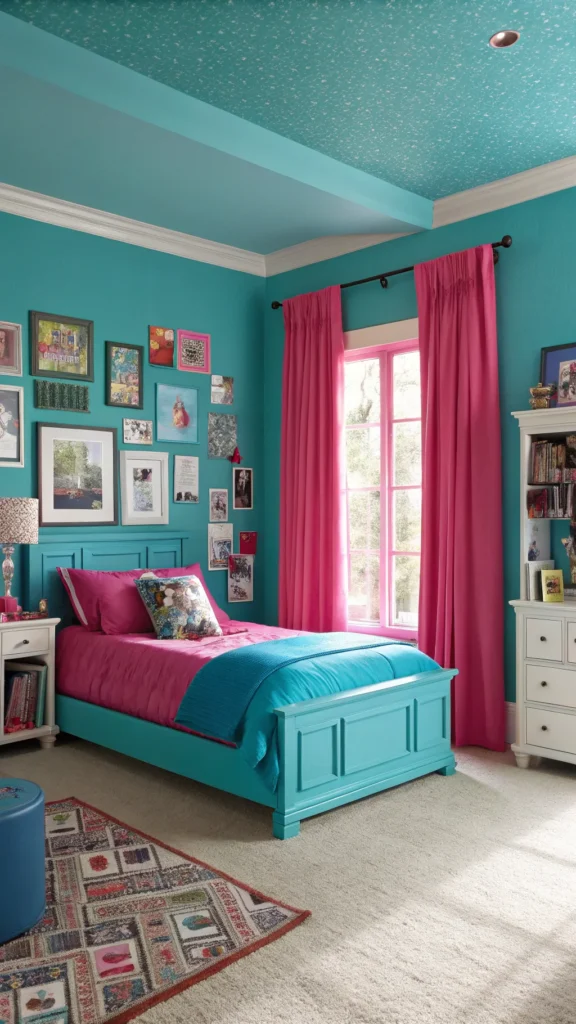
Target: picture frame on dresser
{"points": [[77, 475]]}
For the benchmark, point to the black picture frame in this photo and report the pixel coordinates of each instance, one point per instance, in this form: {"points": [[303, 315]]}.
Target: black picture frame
{"points": [[110, 345], [71, 427], [74, 321]]}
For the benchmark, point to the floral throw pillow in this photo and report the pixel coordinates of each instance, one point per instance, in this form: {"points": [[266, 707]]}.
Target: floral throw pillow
{"points": [[179, 607]]}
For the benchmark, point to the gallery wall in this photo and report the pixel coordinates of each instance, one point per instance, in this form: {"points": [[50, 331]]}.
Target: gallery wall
{"points": [[536, 308], [124, 289]]}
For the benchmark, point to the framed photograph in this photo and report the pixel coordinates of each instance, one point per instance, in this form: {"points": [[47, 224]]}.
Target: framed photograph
{"points": [[11, 426], [240, 578], [161, 346], [558, 366], [176, 414], [144, 488], [242, 487], [138, 431], [61, 346], [222, 435], [10, 348], [220, 544], [77, 473], [124, 375], [218, 505], [193, 352], [222, 390], [186, 478]]}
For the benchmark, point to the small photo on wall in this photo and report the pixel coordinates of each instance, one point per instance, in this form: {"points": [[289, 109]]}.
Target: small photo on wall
{"points": [[161, 346], [218, 505], [138, 431], [176, 414], [61, 346], [124, 379], [186, 478], [242, 487], [222, 390], [193, 352], [10, 348], [11, 426], [240, 578], [220, 543], [222, 435]]}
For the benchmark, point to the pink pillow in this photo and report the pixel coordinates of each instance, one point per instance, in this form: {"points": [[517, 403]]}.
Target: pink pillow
{"points": [[109, 601]]}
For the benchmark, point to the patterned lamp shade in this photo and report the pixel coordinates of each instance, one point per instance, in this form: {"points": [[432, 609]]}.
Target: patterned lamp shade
{"points": [[18, 520]]}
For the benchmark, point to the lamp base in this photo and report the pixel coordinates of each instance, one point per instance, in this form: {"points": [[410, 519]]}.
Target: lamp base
{"points": [[9, 604]]}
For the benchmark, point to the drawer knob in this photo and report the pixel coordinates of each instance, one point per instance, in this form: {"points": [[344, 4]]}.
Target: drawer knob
{"points": [[543, 639], [544, 728], [543, 683], [24, 641]]}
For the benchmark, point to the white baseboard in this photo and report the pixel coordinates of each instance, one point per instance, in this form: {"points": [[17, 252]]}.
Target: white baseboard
{"points": [[510, 721]]}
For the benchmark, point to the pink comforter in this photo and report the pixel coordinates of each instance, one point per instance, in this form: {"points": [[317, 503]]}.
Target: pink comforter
{"points": [[138, 674]]}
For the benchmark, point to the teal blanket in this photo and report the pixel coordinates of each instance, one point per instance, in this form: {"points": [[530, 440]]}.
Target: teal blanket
{"points": [[232, 698]]}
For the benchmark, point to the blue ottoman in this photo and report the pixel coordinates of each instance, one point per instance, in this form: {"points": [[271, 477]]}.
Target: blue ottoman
{"points": [[22, 865]]}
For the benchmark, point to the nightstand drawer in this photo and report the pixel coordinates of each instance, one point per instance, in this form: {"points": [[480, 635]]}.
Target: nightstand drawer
{"points": [[551, 729], [26, 641], [544, 639], [551, 685], [572, 641]]}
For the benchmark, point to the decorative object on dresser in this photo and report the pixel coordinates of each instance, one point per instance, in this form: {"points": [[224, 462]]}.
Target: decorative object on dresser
{"points": [[18, 525], [61, 346], [10, 348], [545, 633], [124, 375], [11, 426], [144, 487], [52, 394], [542, 396], [27, 681]]}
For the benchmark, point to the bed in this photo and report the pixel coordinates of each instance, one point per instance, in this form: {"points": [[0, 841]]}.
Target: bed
{"points": [[324, 752]]}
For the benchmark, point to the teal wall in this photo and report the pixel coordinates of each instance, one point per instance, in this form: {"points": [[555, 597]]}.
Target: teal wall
{"points": [[124, 288], [535, 288]]}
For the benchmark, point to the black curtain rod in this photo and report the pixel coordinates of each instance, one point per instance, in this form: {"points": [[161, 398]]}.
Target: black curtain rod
{"points": [[505, 243]]}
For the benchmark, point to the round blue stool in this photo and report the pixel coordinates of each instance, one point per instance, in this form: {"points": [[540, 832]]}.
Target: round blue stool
{"points": [[22, 865]]}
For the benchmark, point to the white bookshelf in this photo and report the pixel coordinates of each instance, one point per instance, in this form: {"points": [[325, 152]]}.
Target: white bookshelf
{"points": [[30, 640]]}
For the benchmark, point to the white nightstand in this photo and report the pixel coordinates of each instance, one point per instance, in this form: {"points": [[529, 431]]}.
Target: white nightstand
{"points": [[32, 640]]}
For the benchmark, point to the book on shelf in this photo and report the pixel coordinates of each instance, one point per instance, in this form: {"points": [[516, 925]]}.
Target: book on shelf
{"points": [[24, 695], [534, 578], [553, 462], [552, 585], [554, 501]]}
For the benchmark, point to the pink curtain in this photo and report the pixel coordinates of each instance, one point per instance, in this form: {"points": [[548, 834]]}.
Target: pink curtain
{"points": [[461, 618], [312, 554]]}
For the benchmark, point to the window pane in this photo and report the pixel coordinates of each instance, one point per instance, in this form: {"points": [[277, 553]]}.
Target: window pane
{"points": [[364, 519], [406, 384], [405, 588], [406, 513], [363, 456], [362, 391], [364, 588], [407, 448]]}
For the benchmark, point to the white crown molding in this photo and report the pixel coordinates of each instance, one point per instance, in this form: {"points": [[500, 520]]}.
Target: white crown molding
{"points": [[35, 206], [320, 249], [496, 195]]}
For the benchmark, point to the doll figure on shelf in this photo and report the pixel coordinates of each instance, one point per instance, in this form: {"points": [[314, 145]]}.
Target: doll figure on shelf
{"points": [[570, 548]]}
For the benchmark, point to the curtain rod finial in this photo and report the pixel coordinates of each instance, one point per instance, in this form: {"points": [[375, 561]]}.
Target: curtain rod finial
{"points": [[507, 241], [277, 305]]}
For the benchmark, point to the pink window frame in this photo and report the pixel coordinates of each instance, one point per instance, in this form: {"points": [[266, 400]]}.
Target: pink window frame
{"points": [[385, 353]]}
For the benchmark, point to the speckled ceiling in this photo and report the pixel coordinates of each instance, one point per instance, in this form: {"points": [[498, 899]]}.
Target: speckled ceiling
{"points": [[407, 91]]}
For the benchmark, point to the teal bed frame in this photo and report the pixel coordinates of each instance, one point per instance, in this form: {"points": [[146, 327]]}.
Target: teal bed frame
{"points": [[333, 750]]}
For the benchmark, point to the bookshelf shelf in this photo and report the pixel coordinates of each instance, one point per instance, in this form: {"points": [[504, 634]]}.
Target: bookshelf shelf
{"points": [[30, 641]]}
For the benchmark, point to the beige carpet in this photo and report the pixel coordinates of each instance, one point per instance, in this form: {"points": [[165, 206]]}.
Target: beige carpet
{"points": [[445, 901]]}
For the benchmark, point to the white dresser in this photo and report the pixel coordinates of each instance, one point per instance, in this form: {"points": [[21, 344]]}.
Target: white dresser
{"points": [[545, 681]]}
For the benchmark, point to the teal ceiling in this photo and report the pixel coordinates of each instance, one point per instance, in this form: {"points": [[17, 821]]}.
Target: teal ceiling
{"points": [[406, 91]]}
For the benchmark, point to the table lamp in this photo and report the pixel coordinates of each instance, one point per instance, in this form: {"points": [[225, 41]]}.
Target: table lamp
{"points": [[18, 525]]}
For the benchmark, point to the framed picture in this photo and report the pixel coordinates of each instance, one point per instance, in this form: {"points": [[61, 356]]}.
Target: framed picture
{"points": [[218, 505], [61, 346], [138, 431], [77, 473], [10, 348], [11, 426], [242, 487], [222, 390], [161, 346], [144, 488], [241, 578], [176, 414], [220, 544], [124, 375], [558, 366], [186, 478], [222, 435], [193, 352]]}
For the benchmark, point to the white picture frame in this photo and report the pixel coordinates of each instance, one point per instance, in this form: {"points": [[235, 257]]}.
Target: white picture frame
{"points": [[241, 579], [144, 488], [11, 436], [218, 504], [10, 348], [220, 545], [242, 488]]}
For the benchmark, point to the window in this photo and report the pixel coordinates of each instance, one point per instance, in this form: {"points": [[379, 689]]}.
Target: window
{"points": [[383, 487]]}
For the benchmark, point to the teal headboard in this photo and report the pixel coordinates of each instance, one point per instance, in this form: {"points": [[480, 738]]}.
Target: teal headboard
{"points": [[118, 550]]}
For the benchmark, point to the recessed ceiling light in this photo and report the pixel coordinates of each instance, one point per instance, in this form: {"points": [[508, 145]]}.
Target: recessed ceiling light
{"points": [[507, 37]]}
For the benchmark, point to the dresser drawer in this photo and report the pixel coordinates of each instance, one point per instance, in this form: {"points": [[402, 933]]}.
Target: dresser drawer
{"points": [[25, 641], [551, 685], [551, 729], [572, 642], [544, 639]]}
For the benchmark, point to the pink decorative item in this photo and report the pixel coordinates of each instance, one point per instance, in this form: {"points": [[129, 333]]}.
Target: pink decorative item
{"points": [[461, 615], [312, 587], [193, 352], [235, 458]]}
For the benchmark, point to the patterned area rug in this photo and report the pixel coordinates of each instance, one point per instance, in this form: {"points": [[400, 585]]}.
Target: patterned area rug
{"points": [[129, 922]]}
